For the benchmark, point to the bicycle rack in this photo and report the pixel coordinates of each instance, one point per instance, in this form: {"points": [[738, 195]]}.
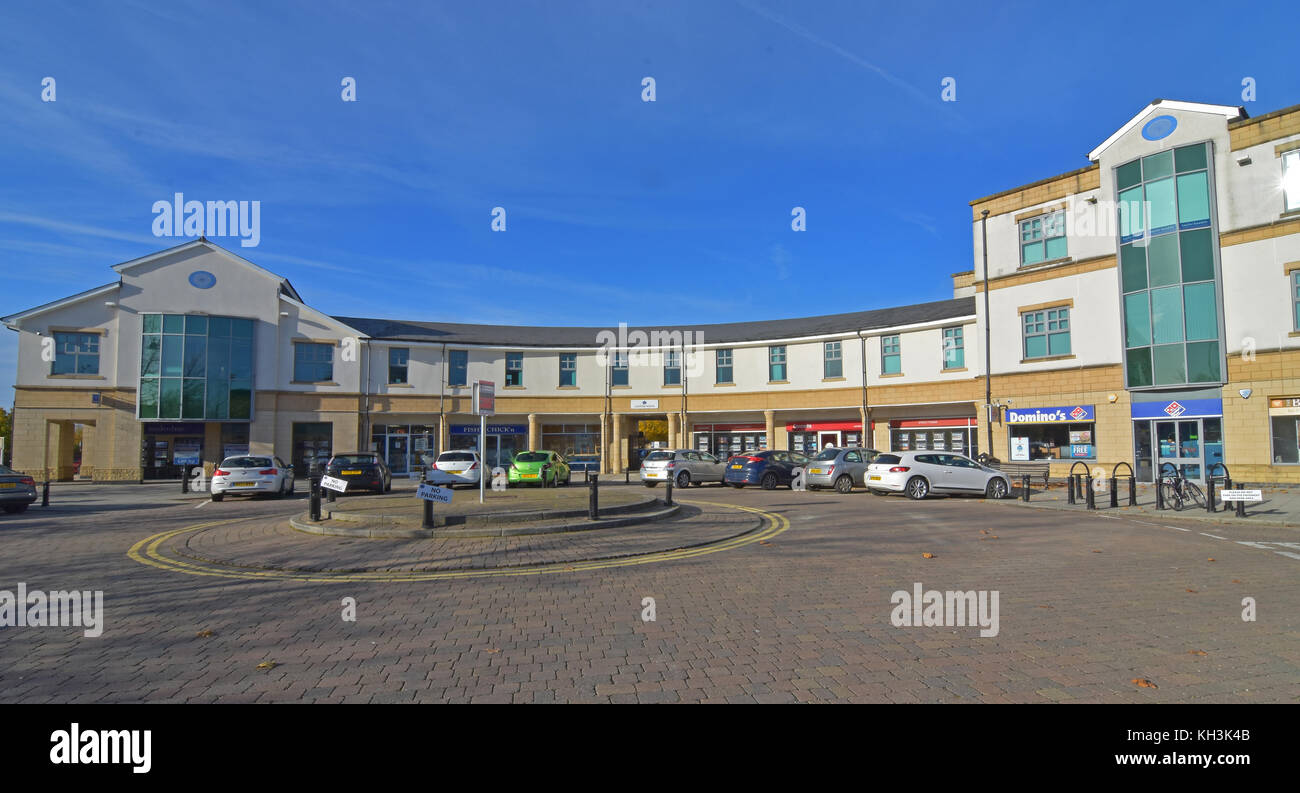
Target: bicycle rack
{"points": [[1114, 485], [1160, 475], [1210, 476], [1084, 486]]}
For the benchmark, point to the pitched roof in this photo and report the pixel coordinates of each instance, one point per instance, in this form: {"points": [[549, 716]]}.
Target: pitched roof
{"points": [[734, 332]]}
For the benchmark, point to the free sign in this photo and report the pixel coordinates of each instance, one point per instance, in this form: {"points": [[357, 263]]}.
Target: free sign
{"points": [[330, 482], [434, 493]]}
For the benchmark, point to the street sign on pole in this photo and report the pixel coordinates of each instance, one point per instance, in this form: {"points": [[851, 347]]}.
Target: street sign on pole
{"points": [[337, 485], [434, 493], [484, 406]]}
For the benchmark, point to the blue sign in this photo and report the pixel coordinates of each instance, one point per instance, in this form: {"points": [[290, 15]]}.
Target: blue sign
{"points": [[493, 429], [1052, 415], [202, 279], [1177, 408], [1159, 127]]}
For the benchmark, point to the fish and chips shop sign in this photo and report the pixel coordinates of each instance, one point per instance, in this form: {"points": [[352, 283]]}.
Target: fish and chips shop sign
{"points": [[1052, 415]]}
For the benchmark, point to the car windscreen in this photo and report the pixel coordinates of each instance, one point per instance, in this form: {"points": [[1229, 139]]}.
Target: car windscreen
{"points": [[658, 456], [530, 457], [455, 457], [354, 459], [887, 459], [246, 462], [828, 454]]}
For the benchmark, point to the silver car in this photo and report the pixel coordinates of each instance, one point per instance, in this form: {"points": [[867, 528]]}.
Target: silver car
{"points": [[682, 466], [455, 468], [840, 468], [918, 474]]}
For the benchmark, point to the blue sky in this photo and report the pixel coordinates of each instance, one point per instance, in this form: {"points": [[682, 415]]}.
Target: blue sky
{"points": [[618, 210]]}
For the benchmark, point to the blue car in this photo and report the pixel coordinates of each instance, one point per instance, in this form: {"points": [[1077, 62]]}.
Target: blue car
{"points": [[767, 469]]}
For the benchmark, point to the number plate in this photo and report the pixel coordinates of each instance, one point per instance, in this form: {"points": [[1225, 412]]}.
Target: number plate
{"points": [[737, 467], [7, 485], [814, 470], [875, 479], [529, 476], [349, 473], [245, 484]]}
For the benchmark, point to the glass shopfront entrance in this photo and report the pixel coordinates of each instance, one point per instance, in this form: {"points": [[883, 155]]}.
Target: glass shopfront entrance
{"points": [[503, 442], [404, 446], [1179, 433]]}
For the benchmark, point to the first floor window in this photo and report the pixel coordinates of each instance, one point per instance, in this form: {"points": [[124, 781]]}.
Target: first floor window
{"points": [[619, 375], [514, 368], [891, 355], [76, 353], [954, 349], [672, 367], [1042, 238], [776, 363], [313, 363], [569, 369], [1286, 439], [1291, 179], [723, 367], [1047, 332], [397, 360], [457, 367], [832, 363]]}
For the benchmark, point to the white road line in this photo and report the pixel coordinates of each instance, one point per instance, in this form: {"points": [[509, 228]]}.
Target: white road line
{"points": [[1288, 553], [1175, 528], [1215, 536], [201, 504]]}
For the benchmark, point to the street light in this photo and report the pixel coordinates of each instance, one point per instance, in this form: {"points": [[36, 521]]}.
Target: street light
{"points": [[988, 373]]}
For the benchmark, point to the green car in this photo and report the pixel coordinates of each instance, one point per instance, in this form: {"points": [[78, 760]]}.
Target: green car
{"points": [[544, 468]]}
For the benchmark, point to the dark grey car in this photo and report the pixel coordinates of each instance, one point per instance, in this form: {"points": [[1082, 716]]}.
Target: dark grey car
{"points": [[842, 468], [16, 490]]}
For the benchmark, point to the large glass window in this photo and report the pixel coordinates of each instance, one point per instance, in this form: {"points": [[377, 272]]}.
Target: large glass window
{"points": [[568, 369], [1171, 322], [954, 349], [1291, 180], [723, 367], [620, 369], [398, 358], [832, 362], [1286, 439], [76, 353], [196, 367], [1047, 332], [891, 355], [776, 371], [457, 367], [514, 369], [312, 363], [1042, 238], [672, 368], [1055, 441]]}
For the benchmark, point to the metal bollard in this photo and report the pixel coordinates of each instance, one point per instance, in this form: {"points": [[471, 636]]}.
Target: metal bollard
{"points": [[1114, 492], [1024, 487], [1209, 494], [1069, 489], [45, 494], [426, 522], [627, 476], [1241, 509], [1132, 491], [668, 496], [1160, 496], [315, 500], [1091, 499], [330, 494], [185, 482], [593, 501]]}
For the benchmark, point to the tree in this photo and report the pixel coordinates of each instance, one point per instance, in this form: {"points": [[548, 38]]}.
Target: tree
{"points": [[6, 432], [654, 430]]}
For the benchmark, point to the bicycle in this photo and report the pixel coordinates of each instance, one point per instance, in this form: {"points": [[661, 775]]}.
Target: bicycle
{"points": [[1177, 490]]}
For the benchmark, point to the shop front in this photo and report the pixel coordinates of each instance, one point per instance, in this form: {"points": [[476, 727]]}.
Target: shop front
{"points": [[724, 440], [811, 437], [404, 446], [169, 448], [1184, 433], [503, 441], [1058, 433], [946, 434], [1284, 430]]}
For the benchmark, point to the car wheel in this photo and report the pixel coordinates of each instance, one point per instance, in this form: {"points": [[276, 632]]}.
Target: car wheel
{"points": [[844, 484], [768, 482], [997, 488], [683, 480], [649, 484], [218, 496], [568, 478], [917, 488], [14, 509]]}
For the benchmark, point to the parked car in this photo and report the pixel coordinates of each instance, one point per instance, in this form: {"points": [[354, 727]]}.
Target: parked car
{"points": [[539, 468], [461, 467], [16, 490], [249, 475], [362, 471], [918, 474], [682, 467], [839, 467], [767, 469]]}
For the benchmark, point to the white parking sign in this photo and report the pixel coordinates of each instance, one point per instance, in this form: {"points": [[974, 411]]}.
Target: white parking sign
{"points": [[434, 493], [339, 485]]}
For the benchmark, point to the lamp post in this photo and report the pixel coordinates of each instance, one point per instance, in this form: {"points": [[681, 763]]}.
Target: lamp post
{"points": [[988, 373]]}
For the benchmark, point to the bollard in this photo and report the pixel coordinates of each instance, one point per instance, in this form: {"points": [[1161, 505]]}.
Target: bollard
{"points": [[1091, 499], [1132, 491], [668, 495], [1069, 489], [330, 494], [1209, 494], [1241, 509], [1114, 492], [593, 501], [1160, 496], [627, 476], [315, 500], [1024, 487], [586, 475], [426, 521], [45, 494], [185, 482]]}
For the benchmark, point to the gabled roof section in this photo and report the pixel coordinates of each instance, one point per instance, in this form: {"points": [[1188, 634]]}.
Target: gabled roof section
{"points": [[204, 242], [337, 321], [737, 332], [12, 320], [1229, 112]]}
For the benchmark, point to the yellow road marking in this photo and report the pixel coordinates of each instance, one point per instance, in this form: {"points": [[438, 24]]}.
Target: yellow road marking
{"points": [[147, 552]]}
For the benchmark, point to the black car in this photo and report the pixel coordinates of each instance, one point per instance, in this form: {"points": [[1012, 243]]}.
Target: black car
{"points": [[16, 490], [767, 469], [361, 470]]}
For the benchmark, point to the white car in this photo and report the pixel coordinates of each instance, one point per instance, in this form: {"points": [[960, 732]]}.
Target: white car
{"points": [[249, 475], [455, 468], [918, 474]]}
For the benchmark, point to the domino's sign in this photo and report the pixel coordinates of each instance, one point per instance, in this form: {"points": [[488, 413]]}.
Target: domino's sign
{"points": [[1051, 415]]}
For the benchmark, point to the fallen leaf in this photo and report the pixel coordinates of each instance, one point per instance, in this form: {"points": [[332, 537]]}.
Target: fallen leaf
{"points": [[267, 665], [994, 537], [984, 531], [494, 650], [1193, 591], [1197, 652], [203, 634], [1211, 559], [1046, 607], [927, 556], [764, 542], [1236, 581], [1142, 682], [1096, 550]]}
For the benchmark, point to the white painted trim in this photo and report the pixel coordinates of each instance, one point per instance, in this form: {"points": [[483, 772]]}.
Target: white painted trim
{"points": [[304, 307], [124, 266], [11, 320], [1227, 111]]}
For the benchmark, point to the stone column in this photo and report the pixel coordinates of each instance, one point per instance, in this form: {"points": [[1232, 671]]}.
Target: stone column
{"points": [[769, 416], [866, 428], [618, 458], [444, 432], [688, 440], [604, 444], [534, 432], [674, 421]]}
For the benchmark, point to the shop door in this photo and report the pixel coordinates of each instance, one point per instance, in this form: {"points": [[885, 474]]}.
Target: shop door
{"points": [[1180, 444], [1142, 451], [398, 462]]}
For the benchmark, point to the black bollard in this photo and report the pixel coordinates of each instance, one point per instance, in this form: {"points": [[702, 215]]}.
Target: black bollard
{"points": [[1069, 489], [314, 505], [1114, 493], [668, 495], [45, 494], [1091, 499], [1160, 496], [185, 482], [593, 502], [1132, 491], [330, 494], [427, 521], [1209, 494], [1241, 509], [627, 476], [1024, 487]]}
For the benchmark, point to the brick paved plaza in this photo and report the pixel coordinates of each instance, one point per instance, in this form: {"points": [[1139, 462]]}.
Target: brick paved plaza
{"points": [[786, 600]]}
